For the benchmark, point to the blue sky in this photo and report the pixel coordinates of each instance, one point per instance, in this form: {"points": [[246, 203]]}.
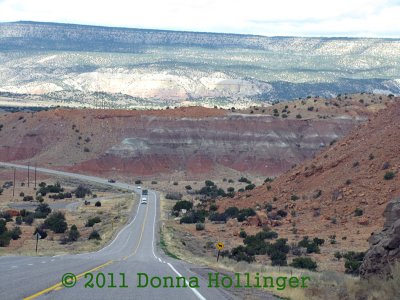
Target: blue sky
{"points": [[365, 18]]}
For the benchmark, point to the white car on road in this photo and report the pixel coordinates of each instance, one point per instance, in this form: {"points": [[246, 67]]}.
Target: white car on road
{"points": [[144, 200]]}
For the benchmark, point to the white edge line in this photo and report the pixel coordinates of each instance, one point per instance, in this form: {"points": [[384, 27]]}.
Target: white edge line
{"points": [[196, 292], [154, 225]]}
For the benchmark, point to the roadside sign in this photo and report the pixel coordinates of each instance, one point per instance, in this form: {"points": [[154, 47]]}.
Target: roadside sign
{"points": [[220, 245], [38, 236]]}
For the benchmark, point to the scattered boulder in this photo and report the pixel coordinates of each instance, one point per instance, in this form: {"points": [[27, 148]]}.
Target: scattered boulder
{"points": [[232, 222], [363, 221], [385, 245], [253, 221]]}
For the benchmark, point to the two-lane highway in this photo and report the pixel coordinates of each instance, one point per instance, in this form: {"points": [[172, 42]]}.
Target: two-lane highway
{"points": [[133, 251]]}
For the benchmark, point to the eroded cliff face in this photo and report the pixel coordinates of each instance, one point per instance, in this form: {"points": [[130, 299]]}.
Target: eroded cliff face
{"points": [[153, 144], [260, 145], [384, 245]]}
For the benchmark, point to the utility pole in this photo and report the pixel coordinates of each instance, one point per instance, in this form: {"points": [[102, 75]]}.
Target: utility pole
{"points": [[14, 184], [37, 239], [35, 175], [28, 175]]}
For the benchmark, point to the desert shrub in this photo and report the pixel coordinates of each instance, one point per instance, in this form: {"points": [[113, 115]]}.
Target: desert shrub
{"points": [[220, 217], [91, 221], [43, 208], [200, 226], [46, 189], [3, 226], [294, 197], [244, 179], [268, 207], [270, 235], [353, 261], [239, 254], [97, 204], [304, 263], [358, 212], [138, 181], [211, 191], [73, 234], [22, 194], [311, 246], [15, 233], [338, 255], [188, 187], [173, 196], [194, 217], [250, 186], [389, 175], [278, 258], [81, 191], [56, 222], [318, 241], [154, 182], [28, 219], [5, 240], [281, 213], [6, 216], [230, 189], [248, 212], [242, 234], [18, 220], [232, 212], [183, 204], [94, 235], [175, 183], [213, 207], [209, 183]]}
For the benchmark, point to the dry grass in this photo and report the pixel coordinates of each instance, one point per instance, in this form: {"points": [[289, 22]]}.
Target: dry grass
{"points": [[114, 212], [330, 285]]}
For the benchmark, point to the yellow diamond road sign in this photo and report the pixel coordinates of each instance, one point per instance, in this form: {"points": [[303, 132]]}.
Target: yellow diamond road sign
{"points": [[220, 245]]}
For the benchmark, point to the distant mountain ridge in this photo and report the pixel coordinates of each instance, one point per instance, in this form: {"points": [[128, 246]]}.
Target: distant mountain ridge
{"points": [[17, 34], [55, 63]]}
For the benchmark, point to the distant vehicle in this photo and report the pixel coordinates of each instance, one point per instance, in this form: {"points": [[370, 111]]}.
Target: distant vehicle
{"points": [[144, 200], [111, 180], [139, 187], [145, 192]]}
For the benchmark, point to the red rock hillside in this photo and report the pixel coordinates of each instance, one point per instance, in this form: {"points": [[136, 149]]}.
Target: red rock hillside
{"points": [[322, 195]]}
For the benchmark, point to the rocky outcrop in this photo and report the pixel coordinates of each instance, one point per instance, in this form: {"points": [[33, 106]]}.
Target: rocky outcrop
{"points": [[385, 245]]}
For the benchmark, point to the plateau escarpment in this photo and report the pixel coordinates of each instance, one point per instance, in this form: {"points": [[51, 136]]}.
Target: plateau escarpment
{"points": [[195, 141], [75, 65]]}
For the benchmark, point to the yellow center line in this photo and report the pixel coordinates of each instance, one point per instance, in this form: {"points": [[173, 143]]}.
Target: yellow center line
{"points": [[141, 235], [59, 285]]}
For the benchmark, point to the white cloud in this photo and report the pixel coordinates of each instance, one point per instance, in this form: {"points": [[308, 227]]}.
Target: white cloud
{"points": [[375, 18]]}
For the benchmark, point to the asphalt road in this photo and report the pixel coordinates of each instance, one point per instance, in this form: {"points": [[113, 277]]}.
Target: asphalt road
{"points": [[132, 251]]}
